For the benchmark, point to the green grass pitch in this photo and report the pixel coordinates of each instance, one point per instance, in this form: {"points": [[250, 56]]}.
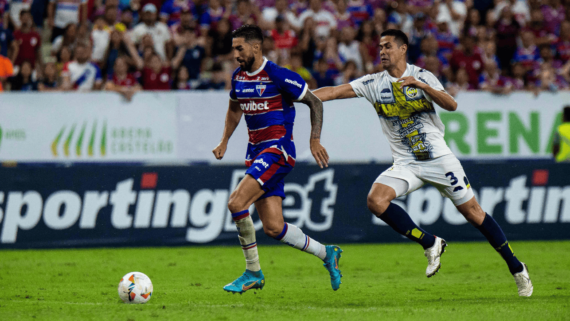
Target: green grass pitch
{"points": [[381, 282]]}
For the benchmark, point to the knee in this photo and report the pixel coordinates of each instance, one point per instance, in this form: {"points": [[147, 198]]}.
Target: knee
{"points": [[235, 204], [377, 204], [272, 230]]}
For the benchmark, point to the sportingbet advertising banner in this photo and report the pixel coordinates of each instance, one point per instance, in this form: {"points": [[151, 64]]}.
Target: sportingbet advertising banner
{"points": [[83, 206], [89, 127]]}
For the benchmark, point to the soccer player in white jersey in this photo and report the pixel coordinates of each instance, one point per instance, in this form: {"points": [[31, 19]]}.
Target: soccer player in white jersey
{"points": [[404, 96]]}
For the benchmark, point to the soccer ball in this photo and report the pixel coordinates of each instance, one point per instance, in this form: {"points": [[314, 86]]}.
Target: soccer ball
{"points": [[135, 287]]}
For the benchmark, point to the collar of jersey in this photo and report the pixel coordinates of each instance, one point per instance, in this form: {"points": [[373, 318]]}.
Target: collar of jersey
{"points": [[407, 72], [258, 70]]}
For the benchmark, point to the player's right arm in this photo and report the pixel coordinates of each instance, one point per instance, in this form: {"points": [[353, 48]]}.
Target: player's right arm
{"points": [[232, 120], [337, 92]]}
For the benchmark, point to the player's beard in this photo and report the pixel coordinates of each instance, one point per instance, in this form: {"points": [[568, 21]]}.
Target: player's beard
{"points": [[248, 63]]}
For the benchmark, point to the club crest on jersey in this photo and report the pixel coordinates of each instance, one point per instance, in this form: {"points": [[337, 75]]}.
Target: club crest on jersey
{"points": [[260, 89], [411, 92]]}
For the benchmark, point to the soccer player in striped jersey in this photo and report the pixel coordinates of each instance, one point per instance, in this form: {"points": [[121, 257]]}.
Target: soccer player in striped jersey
{"points": [[264, 93], [404, 96]]}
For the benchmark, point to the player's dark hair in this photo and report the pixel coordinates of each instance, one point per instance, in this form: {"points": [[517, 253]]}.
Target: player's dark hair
{"points": [[398, 35], [566, 114], [248, 33]]}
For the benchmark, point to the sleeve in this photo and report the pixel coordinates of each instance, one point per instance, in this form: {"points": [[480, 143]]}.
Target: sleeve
{"points": [[429, 78], [362, 88], [233, 96], [289, 83]]}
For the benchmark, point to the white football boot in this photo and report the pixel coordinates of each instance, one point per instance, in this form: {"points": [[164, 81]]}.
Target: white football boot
{"points": [[523, 282], [433, 255]]}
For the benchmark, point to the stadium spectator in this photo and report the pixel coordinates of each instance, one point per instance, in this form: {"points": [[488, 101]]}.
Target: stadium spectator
{"points": [[158, 30], [400, 18], [549, 80], [368, 39], [216, 81], [128, 18], [181, 80], [15, 8], [156, 76], [492, 81], [67, 39], [213, 13], [171, 10], [466, 58], [122, 81], [325, 21], [490, 53], [190, 55], [360, 11], [269, 14], [115, 49], [507, 32], [419, 32], [460, 84], [65, 56], [284, 38], [6, 70], [527, 54], [243, 15], [546, 56], [270, 52], [187, 22], [553, 14], [110, 13], [348, 74], [349, 48], [542, 35], [379, 20], [220, 40], [81, 74], [453, 12], [100, 36], [49, 80], [446, 40], [308, 42], [29, 41], [8, 47], [23, 81], [517, 82], [323, 75], [563, 44], [433, 65], [4, 14], [472, 23], [332, 56], [343, 16], [62, 13], [520, 10]]}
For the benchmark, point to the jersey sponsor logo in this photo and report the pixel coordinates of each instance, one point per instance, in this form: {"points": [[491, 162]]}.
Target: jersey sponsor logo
{"points": [[293, 82], [249, 90], [260, 89], [423, 80], [262, 162], [386, 94], [253, 106], [367, 82]]}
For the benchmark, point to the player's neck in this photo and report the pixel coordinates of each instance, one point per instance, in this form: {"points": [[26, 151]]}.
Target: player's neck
{"points": [[398, 70], [256, 64]]}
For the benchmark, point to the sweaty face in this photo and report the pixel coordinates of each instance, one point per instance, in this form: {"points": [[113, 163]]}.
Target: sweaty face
{"points": [[243, 53], [390, 52]]}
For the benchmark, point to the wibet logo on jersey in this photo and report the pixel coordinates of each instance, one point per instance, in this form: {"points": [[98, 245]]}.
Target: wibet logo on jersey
{"points": [[253, 106]]}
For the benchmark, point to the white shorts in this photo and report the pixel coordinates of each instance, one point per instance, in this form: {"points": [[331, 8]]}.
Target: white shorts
{"points": [[444, 173]]}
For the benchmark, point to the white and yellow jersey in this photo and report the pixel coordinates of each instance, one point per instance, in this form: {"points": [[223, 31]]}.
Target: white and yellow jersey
{"points": [[408, 116]]}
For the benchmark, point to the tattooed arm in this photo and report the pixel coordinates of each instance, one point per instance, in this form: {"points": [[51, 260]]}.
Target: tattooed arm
{"points": [[316, 107]]}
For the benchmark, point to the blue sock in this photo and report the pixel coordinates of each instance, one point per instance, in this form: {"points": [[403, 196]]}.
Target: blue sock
{"points": [[498, 240], [401, 222]]}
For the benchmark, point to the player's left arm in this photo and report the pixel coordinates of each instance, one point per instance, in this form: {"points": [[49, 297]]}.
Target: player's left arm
{"points": [[316, 106], [440, 97]]}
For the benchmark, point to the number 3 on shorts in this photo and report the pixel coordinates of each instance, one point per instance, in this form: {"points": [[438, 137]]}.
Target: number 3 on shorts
{"points": [[452, 178]]}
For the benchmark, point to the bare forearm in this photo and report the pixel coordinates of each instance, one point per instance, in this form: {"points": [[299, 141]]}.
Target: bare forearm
{"points": [[443, 99], [316, 107], [232, 120], [337, 92]]}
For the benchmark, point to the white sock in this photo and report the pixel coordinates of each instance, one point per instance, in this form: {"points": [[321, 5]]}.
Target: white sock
{"points": [[293, 236], [247, 239]]}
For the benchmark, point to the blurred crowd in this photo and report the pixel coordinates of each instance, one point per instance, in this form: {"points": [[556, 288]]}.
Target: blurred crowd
{"points": [[132, 45]]}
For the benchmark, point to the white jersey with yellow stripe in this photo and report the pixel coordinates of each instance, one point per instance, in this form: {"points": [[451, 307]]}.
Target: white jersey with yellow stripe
{"points": [[408, 117]]}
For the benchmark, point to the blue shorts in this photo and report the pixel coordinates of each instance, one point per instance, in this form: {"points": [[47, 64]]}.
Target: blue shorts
{"points": [[269, 170]]}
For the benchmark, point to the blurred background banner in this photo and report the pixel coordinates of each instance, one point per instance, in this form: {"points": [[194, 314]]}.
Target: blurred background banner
{"points": [[87, 128], [88, 205], [185, 127]]}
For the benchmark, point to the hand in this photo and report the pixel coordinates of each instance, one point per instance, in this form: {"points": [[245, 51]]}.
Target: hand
{"points": [[319, 153], [410, 81], [220, 150]]}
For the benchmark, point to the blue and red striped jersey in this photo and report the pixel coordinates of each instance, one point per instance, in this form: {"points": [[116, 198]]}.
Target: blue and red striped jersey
{"points": [[266, 97]]}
